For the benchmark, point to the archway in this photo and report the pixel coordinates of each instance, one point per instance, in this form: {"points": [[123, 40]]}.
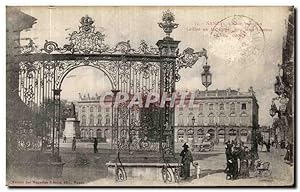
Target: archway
{"points": [[221, 135], [142, 70], [83, 86], [244, 135], [180, 135], [200, 135], [232, 134]]}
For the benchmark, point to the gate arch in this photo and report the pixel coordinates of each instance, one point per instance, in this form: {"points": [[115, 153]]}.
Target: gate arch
{"points": [[89, 64], [144, 69]]}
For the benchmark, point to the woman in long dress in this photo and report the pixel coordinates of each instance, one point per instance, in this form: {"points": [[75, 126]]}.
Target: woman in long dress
{"points": [[244, 163]]}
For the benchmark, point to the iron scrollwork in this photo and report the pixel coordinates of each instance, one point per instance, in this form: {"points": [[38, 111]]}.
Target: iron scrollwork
{"points": [[89, 41], [39, 78], [187, 59], [120, 169]]}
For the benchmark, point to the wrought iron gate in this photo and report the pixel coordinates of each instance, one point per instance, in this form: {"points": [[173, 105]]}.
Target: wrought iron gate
{"points": [[142, 70]]}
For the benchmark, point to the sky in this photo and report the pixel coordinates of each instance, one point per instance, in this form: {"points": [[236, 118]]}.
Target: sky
{"points": [[235, 62]]}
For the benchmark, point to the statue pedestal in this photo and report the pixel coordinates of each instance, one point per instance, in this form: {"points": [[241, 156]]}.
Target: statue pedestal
{"points": [[71, 129]]}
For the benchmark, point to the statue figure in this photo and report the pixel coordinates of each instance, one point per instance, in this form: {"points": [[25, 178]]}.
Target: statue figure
{"points": [[72, 110]]}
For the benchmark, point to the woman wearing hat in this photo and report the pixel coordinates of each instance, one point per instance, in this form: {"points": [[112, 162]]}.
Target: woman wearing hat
{"points": [[186, 161]]}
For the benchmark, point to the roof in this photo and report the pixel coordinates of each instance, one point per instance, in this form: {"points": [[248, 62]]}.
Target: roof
{"points": [[16, 20]]}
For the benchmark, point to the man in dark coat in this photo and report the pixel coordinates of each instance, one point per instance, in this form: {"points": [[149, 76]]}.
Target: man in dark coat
{"points": [[268, 146], [95, 145], [235, 157], [228, 153], [74, 144], [186, 161]]}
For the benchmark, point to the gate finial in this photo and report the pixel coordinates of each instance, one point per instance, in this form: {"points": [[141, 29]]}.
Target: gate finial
{"points": [[168, 24], [86, 23]]}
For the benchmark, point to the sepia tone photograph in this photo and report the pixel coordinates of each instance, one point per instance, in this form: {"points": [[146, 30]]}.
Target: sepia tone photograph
{"points": [[157, 96]]}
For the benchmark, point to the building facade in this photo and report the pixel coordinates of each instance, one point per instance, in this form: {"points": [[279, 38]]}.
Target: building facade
{"points": [[95, 120], [223, 114]]}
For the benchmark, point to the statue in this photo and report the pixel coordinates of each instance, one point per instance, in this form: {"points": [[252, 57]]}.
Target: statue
{"points": [[72, 111]]}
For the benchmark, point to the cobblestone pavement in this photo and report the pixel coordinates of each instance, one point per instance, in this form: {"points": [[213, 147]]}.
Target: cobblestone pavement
{"points": [[89, 168]]}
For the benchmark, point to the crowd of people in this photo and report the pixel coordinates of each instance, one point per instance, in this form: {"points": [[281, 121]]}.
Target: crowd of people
{"points": [[239, 160]]}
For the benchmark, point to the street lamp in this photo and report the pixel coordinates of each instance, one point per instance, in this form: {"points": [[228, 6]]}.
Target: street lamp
{"points": [[206, 76], [193, 121], [273, 110]]}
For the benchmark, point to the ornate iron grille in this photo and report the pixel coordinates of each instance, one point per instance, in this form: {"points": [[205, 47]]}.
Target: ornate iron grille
{"points": [[142, 70]]}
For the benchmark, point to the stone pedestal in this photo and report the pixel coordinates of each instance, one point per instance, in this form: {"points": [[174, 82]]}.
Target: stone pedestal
{"points": [[71, 129], [143, 165]]}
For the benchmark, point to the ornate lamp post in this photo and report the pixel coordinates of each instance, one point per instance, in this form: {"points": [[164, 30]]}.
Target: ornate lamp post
{"points": [[206, 76], [193, 121]]}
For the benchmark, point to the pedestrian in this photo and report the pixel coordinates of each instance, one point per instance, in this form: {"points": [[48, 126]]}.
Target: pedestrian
{"points": [[289, 153], [244, 162], [186, 161], [229, 162], [235, 164], [65, 139], [268, 146], [74, 144], [95, 145], [228, 154]]}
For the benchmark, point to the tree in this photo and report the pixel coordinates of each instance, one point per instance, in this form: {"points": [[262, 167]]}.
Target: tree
{"points": [[42, 121]]}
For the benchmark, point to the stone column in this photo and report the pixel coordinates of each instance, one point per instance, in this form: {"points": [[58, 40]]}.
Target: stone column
{"points": [[167, 47]]}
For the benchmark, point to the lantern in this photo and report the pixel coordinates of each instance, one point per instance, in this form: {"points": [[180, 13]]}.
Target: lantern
{"points": [[206, 76], [273, 110]]}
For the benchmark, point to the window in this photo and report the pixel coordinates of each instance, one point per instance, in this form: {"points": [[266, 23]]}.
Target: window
{"points": [[200, 119], [180, 135], [221, 106], [232, 132], [83, 109], [244, 133], [211, 107], [191, 119], [99, 133], [107, 120], [191, 108], [180, 108], [99, 120], [244, 119], [91, 133], [99, 108], [107, 109], [180, 119], [91, 119], [200, 134], [211, 132], [83, 120], [201, 107], [211, 119], [232, 119], [222, 119], [244, 106], [91, 109], [232, 107], [190, 134], [83, 133]]}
